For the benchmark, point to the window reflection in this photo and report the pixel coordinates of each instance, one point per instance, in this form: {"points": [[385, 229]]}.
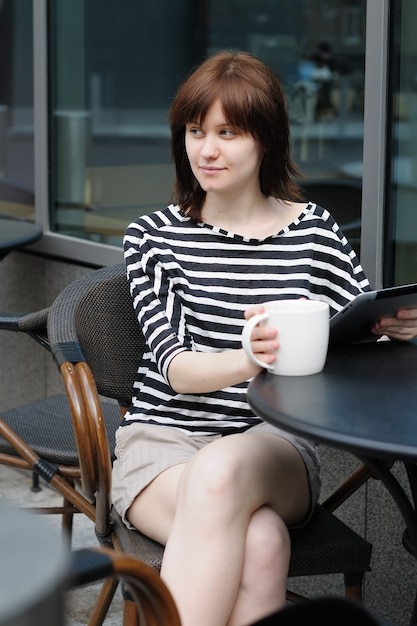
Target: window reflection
{"points": [[117, 65], [16, 109], [401, 228]]}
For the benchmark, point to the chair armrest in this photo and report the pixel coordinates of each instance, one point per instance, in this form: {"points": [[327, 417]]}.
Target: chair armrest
{"points": [[33, 324], [153, 599]]}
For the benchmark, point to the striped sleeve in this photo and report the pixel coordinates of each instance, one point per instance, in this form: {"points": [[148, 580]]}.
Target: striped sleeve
{"points": [[149, 287]]}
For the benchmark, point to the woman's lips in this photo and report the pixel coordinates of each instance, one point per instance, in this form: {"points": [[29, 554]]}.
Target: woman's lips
{"points": [[210, 170]]}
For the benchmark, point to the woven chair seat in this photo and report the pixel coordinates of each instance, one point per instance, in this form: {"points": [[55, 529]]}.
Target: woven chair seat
{"points": [[326, 545], [56, 443], [136, 544]]}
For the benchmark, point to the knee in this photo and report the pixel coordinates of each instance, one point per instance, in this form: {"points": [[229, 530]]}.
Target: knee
{"points": [[213, 477], [268, 546]]}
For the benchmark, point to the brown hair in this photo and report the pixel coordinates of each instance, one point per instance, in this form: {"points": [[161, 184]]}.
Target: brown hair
{"points": [[252, 100]]}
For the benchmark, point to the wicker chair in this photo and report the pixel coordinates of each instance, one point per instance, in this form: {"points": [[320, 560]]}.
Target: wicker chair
{"points": [[96, 343], [154, 603], [343, 198], [39, 436]]}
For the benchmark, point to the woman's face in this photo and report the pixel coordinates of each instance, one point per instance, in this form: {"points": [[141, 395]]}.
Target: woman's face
{"points": [[223, 159]]}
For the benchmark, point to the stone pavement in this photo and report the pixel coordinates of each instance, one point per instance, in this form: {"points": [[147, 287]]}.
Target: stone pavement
{"points": [[15, 487]]}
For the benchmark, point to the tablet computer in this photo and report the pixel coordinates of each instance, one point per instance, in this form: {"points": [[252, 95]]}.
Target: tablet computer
{"points": [[354, 322]]}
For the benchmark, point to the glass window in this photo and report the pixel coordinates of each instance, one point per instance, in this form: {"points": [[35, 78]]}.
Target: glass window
{"points": [[114, 70], [401, 195], [16, 109]]}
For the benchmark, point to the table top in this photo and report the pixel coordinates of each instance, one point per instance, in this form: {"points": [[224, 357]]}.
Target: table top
{"points": [[364, 401], [17, 233], [35, 566]]}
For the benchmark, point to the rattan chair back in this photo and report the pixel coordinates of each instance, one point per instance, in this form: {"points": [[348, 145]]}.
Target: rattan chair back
{"points": [[93, 320]]}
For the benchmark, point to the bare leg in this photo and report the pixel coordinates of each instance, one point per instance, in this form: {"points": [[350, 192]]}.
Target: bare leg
{"points": [[267, 555], [232, 499]]}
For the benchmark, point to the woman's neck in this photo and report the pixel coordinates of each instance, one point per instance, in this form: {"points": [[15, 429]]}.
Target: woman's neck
{"points": [[231, 212], [259, 218]]}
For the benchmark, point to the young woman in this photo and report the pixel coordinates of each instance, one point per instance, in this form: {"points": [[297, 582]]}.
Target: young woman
{"points": [[196, 470]]}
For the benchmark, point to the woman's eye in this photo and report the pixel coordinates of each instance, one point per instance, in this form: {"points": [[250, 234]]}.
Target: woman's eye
{"points": [[226, 132], [197, 132]]}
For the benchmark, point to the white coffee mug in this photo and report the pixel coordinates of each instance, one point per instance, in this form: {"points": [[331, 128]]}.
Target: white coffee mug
{"points": [[303, 335]]}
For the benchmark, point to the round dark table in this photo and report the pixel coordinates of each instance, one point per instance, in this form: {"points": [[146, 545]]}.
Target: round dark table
{"points": [[364, 401], [34, 571], [17, 233]]}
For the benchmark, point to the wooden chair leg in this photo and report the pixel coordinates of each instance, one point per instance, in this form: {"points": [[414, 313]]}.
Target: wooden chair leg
{"points": [[35, 483], [103, 602], [295, 598], [67, 521], [353, 587], [130, 613]]}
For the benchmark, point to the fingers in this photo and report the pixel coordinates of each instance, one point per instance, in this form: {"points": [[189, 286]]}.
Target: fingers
{"points": [[264, 343], [263, 333], [254, 310], [402, 327]]}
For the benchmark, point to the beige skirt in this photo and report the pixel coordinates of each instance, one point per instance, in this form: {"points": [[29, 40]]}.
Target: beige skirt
{"points": [[144, 451]]}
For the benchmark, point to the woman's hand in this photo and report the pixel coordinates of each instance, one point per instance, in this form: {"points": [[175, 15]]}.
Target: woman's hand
{"points": [[264, 342], [401, 327]]}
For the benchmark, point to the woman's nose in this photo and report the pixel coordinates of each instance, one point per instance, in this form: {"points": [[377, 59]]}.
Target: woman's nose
{"points": [[210, 147]]}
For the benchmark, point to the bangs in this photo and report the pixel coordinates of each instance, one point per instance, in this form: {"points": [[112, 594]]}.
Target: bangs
{"points": [[241, 104], [240, 101]]}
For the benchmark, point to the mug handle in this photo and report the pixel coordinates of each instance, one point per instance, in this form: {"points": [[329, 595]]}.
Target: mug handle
{"points": [[246, 339]]}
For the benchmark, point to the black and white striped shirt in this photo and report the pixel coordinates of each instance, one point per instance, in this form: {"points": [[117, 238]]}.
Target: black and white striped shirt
{"points": [[191, 284]]}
